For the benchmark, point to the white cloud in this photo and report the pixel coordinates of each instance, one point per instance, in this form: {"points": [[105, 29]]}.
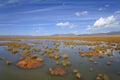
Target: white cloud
{"points": [[81, 13], [108, 22], [117, 12], [13, 1], [9, 2], [39, 31], [22, 1], [106, 5], [75, 32], [44, 9], [103, 8], [100, 9], [65, 24]]}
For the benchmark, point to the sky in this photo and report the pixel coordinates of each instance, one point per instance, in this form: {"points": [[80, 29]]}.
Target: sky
{"points": [[48, 17]]}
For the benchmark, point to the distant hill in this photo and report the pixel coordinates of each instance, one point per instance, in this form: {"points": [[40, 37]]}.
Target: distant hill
{"points": [[64, 34], [70, 34], [95, 34], [100, 34]]}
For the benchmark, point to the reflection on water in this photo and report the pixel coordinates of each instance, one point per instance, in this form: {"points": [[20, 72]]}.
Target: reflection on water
{"points": [[88, 70]]}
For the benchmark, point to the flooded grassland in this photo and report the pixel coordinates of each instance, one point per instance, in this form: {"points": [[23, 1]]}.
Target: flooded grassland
{"points": [[60, 58]]}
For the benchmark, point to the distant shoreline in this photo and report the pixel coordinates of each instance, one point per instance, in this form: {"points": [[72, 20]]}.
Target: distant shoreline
{"points": [[87, 38]]}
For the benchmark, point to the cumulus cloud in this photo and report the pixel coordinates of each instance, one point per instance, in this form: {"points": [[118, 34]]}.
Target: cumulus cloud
{"points": [[81, 13], [107, 22], [65, 24]]}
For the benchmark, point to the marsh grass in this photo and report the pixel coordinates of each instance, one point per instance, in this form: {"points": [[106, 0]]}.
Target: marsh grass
{"points": [[86, 38]]}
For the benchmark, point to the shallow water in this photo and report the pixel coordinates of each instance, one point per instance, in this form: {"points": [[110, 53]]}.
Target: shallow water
{"points": [[12, 72]]}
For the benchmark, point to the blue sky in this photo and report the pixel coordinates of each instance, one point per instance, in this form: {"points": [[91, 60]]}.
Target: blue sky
{"points": [[47, 17]]}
